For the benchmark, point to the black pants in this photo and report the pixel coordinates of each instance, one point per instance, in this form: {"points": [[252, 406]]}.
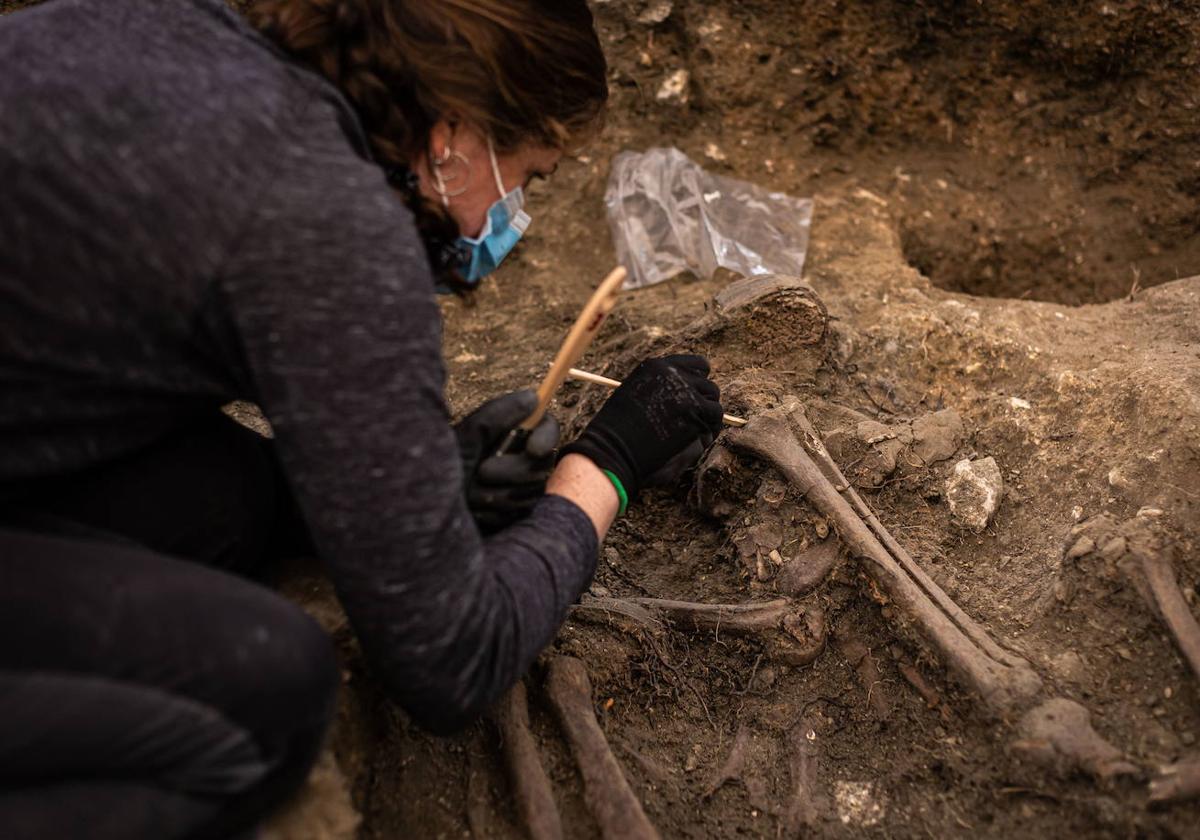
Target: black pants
{"points": [[143, 692]]}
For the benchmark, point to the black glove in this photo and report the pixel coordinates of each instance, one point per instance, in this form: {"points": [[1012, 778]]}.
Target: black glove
{"points": [[656, 425], [502, 489]]}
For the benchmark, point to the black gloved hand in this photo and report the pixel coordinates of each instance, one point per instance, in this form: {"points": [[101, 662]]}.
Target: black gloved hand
{"points": [[502, 489], [656, 425]]}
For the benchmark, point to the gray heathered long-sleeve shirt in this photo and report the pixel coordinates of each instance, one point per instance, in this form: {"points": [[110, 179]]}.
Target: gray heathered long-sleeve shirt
{"points": [[186, 218]]}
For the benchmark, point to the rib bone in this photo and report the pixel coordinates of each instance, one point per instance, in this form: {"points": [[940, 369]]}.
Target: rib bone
{"points": [[791, 632], [1001, 678], [610, 800]]}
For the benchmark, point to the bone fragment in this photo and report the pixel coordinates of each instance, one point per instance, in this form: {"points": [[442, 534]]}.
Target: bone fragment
{"points": [[855, 651], [792, 633], [1176, 783], [803, 810], [808, 570], [1002, 679], [1167, 599], [611, 801], [615, 612], [530, 785], [919, 683], [732, 766], [1058, 734]]}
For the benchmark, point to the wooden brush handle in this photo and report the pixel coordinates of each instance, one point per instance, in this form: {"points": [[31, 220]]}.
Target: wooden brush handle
{"points": [[587, 325]]}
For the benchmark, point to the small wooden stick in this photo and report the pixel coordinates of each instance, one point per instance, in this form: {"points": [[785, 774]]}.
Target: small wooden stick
{"points": [[597, 379], [584, 330]]}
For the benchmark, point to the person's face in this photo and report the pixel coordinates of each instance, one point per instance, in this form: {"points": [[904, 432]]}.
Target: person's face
{"points": [[470, 185]]}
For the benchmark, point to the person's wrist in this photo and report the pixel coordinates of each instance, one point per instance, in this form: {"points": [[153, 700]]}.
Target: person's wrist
{"points": [[578, 479]]}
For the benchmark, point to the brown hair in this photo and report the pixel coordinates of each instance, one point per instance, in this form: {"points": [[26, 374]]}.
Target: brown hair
{"points": [[523, 71]]}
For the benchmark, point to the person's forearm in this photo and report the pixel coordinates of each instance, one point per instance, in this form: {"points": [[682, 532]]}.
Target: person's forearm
{"points": [[579, 480]]}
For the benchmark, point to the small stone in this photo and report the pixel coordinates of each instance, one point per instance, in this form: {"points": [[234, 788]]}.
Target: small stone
{"points": [[776, 557], [598, 591], [1069, 667], [1083, 546], [612, 556], [675, 87], [656, 12], [765, 678], [822, 528], [974, 491], [1188, 738]]}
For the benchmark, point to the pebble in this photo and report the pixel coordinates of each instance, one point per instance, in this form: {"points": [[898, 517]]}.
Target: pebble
{"points": [[675, 87]]}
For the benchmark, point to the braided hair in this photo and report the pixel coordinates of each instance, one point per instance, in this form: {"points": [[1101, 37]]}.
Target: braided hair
{"points": [[520, 70]]}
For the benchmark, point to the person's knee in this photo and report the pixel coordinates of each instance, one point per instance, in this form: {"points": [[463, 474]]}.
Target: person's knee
{"points": [[298, 671]]}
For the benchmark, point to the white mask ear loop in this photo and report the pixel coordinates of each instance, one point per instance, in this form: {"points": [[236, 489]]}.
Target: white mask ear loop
{"points": [[441, 186], [496, 168]]}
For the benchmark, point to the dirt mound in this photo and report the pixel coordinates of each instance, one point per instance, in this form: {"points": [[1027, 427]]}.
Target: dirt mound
{"points": [[1026, 149]]}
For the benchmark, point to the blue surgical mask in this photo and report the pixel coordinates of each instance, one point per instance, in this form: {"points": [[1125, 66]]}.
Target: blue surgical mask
{"points": [[506, 223]]}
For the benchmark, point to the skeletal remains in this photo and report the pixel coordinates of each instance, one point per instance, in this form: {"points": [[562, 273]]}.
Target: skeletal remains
{"points": [[1053, 731]]}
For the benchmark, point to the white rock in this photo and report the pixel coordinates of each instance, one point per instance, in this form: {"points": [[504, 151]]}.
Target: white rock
{"points": [[675, 86], [656, 12], [858, 803], [974, 491]]}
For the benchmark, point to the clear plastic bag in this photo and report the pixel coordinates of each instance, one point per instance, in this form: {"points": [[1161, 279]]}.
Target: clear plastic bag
{"points": [[668, 215]]}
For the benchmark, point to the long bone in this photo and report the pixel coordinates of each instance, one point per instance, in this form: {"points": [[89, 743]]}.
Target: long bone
{"points": [[534, 798], [1001, 678], [611, 801], [790, 632]]}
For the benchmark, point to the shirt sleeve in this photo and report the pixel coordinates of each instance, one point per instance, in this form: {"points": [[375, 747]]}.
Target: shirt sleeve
{"points": [[330, 296]]}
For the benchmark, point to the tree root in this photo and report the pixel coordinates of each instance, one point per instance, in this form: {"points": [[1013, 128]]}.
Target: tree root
{"points": [[611, 801], [530, 785], [1001, 678]]}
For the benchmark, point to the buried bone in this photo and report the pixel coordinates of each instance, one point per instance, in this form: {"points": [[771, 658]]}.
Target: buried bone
{"points": [[535, 801], [731, 768], [804, 808], [1177, 782], [791, 633], [610, 800], [1058, 734], [1001, 678], [1139, 552]]}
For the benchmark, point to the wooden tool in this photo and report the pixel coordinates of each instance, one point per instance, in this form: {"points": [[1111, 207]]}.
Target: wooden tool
{"points": [[597, 379], [587, 325]]}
